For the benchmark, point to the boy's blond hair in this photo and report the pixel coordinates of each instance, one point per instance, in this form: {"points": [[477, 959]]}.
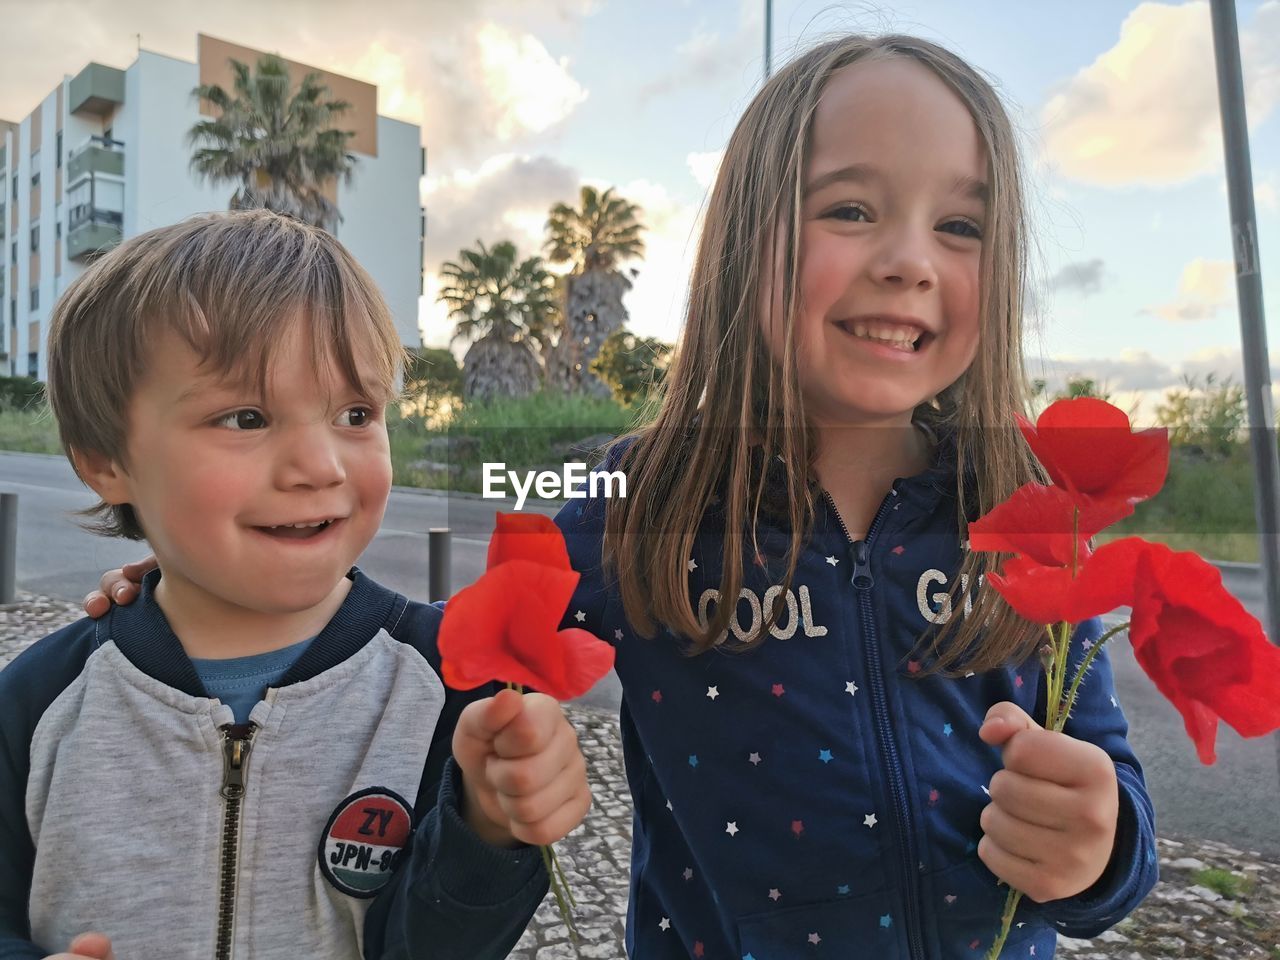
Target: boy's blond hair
{"points": [[230, 285]]}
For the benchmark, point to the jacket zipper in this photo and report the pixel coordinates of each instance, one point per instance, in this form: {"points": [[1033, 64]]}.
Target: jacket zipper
{"points": [[237, 743], [863, 581]]}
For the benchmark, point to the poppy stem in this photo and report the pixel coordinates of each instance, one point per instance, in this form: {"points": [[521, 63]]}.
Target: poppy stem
{"points": [[1006, 923], [559, 888], [1070, 701]]}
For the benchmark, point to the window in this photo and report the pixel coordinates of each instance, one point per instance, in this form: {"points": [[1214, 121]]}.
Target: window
{"points": [[35, 169], [13, 253], [59, 148], [57, 229], [35, 298], [35, 238], [33, 364]]}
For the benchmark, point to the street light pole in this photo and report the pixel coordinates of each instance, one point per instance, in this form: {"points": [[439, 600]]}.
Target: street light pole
{"points": [[1253, 330], [768, 38]]}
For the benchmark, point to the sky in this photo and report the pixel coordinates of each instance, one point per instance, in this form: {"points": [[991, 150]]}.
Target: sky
{"points": [[522, 101]]}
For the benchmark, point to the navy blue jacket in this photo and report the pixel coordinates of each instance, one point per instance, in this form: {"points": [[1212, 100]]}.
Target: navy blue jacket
{"points": [[812, 797]]}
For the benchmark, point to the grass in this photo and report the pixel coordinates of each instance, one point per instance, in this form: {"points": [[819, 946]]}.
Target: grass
{"points": [[1224, 882], [30, 431], [526, 434], [1205, 506]]}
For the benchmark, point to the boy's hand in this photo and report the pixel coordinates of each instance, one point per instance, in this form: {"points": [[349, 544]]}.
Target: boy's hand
{"points": [[120, 586], [1051, 824], [94, 946], [524, 777]]}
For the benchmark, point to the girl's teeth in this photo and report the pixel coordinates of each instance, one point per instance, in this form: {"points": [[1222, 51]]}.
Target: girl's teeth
{"points": [[896, 336]]}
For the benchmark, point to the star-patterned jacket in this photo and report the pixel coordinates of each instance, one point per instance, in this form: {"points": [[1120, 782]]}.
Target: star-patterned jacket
{"points": [[811, 798]]}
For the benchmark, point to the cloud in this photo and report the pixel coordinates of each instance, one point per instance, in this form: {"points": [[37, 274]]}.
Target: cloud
{"points": [[707, 57], [705, 166], [1132, 370], [1266, 193], [1146, 110], [471, 75], [1084, 277], [1206, 286], [505, 198], [655, 304], [1138, 382]]}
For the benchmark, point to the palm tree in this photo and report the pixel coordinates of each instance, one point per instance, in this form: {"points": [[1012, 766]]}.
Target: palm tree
{"points": [[507, 309], [594, 240], [277, 145]]}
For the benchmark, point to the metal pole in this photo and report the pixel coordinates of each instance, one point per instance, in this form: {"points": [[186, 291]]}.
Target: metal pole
{"points": [[8, 547], [1253, 329], [768, 38], [438, 564]]}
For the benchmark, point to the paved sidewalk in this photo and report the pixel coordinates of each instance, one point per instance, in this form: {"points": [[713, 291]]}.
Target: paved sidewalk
{"points": [[1213, 901]]}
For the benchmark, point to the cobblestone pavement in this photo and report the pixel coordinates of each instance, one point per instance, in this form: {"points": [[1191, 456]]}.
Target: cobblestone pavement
{"points": [[1213, 901]]}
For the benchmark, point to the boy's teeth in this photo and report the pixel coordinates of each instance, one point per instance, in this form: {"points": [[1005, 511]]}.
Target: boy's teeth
{"points": [[298, 526]]}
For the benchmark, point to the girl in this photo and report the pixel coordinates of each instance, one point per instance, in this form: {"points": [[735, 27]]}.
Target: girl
{"points": [[839, 760], [810, 777]]}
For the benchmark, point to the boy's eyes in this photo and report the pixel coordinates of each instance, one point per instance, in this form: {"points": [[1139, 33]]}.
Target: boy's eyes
{"points": [[355, 417], [254, 420], [242, 420]]}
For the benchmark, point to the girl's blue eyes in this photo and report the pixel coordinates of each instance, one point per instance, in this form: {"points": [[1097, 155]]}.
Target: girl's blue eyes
{"points": [[253, 420], [851, 213]]}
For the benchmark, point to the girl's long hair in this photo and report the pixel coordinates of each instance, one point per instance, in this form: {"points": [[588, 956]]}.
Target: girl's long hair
{"points": [[731, 418]]}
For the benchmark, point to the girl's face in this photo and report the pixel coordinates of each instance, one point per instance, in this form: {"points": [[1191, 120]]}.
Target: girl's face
{"points": [[892, 218]]}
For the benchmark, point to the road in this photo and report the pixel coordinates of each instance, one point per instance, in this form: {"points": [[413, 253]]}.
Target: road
{"points": [[1236, 801]]}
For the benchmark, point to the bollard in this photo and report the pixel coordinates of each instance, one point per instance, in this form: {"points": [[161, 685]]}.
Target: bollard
{"points": [[438, 564], [8, 547]]}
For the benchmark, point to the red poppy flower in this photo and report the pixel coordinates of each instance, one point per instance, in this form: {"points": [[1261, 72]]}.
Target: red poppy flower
{"points": [[1090, 449], [503, 626], [1204, 651], [1044, 593], [1038, 522]]}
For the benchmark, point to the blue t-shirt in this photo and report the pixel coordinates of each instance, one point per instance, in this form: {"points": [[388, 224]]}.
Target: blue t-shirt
{"points": [[241, 682]]}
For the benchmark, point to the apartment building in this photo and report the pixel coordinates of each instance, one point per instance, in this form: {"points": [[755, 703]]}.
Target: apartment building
{"points": [[105, 156]]}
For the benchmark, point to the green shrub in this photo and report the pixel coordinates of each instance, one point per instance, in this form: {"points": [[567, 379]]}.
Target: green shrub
{"points": [[20, 393]]}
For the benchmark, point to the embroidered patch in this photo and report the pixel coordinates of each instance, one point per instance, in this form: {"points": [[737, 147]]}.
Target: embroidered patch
{"points": [[363, 840]]}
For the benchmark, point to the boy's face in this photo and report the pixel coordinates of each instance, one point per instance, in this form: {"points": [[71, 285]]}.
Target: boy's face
{"points": [[220, 478]]}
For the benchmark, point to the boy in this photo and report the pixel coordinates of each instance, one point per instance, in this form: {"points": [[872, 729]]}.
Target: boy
{"points": [[253, 759]]}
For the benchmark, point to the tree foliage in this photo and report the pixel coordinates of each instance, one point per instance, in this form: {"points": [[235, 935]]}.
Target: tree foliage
{"points": [[277, 144], [632, 365], [1205, 416]]}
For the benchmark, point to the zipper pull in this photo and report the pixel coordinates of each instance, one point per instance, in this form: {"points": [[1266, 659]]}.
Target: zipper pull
{"points": [[237, 742], [862, 579]]}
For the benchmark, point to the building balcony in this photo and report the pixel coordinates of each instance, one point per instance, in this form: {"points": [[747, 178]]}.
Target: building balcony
{"points": [[96, 90], [96, 155], [92, 230]]}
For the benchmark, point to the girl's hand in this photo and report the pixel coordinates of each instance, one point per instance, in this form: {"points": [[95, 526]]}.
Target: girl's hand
{"points": [[118, 586], [1051, 824], [524, 776]]}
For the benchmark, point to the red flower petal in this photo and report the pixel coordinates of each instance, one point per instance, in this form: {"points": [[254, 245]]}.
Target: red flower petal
{"points": [[527, 536], [1037, 521], [1089, 447], [1037, 592], [503, 627], [1202, 649]]}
